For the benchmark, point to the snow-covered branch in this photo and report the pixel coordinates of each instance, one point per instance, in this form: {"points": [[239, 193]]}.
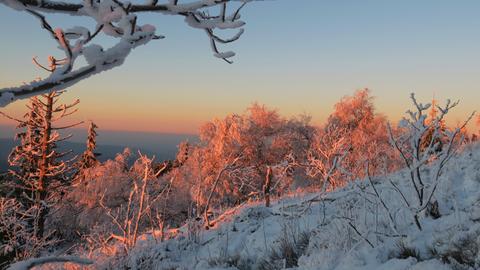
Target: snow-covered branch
{"points": [[425, 140], [119, 20]]}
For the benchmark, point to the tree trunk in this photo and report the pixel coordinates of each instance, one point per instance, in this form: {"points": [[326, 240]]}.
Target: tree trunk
{"points": [[207, 206], [266, 186], [41, 192]]}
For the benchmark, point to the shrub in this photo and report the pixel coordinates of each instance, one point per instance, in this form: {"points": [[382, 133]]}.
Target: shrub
{"points": [[290, 248]]}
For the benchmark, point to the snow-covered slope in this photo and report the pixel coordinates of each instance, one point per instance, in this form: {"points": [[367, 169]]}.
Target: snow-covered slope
{"points": [[345, 229]]}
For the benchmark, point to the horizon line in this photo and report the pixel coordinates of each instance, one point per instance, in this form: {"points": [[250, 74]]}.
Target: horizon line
{"points": [[119, 130]]}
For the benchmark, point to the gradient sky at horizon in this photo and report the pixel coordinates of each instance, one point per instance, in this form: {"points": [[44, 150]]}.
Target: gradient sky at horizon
{"points": [[298, 56]]}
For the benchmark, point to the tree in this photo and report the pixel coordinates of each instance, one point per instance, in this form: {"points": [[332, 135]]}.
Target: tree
{"points": [[325, 157], [363, 133], [120, 20], [478, 122], [441, 137], [416, 153], [37, 179], [89, 157], [260, 142], [138, 205], [39, 168]]}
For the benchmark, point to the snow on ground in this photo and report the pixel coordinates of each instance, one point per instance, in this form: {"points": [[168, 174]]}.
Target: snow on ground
{"points": [[345, 229]]}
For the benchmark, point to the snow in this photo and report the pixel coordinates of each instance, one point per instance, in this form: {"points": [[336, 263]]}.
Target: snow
{"points": [[6, 98], [28, 264], [14, 4], [228, 54], [251, 231]]}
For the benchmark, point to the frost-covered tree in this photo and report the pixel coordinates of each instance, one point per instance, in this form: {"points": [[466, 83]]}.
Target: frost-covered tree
{"points": [[17, 240], [121, 20], [325, 156], [37, 178], [89, 156], [441, 137], [138, 206], [180, 159], [478, 124], [261, 141], [417, 152], [37, 165], [363, 133]]}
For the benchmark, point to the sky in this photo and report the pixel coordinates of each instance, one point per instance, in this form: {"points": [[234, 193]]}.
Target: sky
{"points": [[297, 56]]}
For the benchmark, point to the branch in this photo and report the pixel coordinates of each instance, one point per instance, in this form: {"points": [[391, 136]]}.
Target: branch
{"points": [[367, 172], [116, 19], [359, 234]]}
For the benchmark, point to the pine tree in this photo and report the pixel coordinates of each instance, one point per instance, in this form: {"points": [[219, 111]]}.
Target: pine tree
{"points": [[38, 168], [89, 157]]}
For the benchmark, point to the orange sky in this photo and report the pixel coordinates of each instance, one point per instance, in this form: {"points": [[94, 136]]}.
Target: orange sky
{"points": [[142, 114]]}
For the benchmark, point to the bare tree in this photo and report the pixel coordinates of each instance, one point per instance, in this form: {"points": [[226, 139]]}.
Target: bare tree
{"points": [[127, 219], [418, 147], [121, 20]]}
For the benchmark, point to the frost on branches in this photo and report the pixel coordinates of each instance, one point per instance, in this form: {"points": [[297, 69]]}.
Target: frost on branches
{"points": [[39, 174], [423, 142], [118, 19]]}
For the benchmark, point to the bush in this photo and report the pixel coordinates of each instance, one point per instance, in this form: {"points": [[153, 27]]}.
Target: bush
{"points": [[290, 248], [403, 251]]}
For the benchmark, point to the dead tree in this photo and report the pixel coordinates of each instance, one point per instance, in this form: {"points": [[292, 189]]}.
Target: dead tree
{"points": [[120, 20], [38, 165]]}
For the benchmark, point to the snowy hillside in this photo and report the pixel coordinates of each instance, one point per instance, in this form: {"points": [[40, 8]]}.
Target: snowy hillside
{"points": [[345, 229]]}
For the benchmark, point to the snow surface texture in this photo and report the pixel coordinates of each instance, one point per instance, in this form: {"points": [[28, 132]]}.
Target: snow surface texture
{"points": [[333, 230], [29, 264]]}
